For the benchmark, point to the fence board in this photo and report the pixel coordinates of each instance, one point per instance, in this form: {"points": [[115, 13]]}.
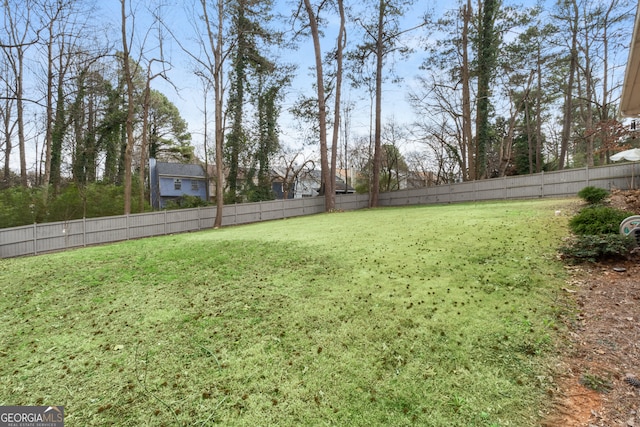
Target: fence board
{"points": [[106, 229], [17, 241], [147, 225], [183, 220]]}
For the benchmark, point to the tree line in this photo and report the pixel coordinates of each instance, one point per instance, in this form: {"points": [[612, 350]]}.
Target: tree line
{"points": [[497, 89]]}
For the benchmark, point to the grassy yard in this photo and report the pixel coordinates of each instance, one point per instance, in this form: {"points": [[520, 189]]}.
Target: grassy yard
{"points": [[429, 316]]}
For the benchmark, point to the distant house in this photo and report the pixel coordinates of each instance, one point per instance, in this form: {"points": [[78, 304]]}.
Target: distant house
{"points": [[171, 181], [283, 181], [305, 184]]}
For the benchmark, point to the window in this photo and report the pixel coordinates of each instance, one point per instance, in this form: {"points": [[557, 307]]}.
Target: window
{"points": [[194, 186], [177, 183]]}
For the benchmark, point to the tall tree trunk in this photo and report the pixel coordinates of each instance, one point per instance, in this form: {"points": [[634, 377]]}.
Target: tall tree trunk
{"points": [[377, 148], [145, 141], [486, 60], [7, 130], [336, 120], [605, 132], [215, 77], [205, 139], [467, 149], [56, 137], [49, 120], [90, 141], [530, 147], [15, 52], [128, 145], [568, 96], [322, 111], [22, 151], [235, 138], [539, 112], [219, 132], [587, 97]]}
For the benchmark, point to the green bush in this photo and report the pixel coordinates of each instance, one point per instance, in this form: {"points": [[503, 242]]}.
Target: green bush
{"points": [[593, 195], [592, 248], [21, 206], [597, 219], [66, 206], [185, 202]]}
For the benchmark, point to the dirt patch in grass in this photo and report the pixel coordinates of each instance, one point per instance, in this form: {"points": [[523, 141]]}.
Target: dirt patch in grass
{"points": [[604, 343]]}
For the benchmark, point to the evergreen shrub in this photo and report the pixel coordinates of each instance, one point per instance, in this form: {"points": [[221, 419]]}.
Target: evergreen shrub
{"points": [[592, 248], [597, 219], [593, 195]]}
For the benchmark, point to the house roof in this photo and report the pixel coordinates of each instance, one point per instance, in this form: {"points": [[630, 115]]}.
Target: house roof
{"points": [[630, 103], [343, 187], [315, 176], [180, 170]]}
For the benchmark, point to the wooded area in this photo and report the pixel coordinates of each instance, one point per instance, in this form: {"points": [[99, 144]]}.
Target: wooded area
{"points": [[496, 89]]}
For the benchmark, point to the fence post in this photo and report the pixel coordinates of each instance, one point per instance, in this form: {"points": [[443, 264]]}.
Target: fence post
{"points": [[84, 231], [504, 186], [165, 221], [35, 238], [542, 184], [586, 170]]}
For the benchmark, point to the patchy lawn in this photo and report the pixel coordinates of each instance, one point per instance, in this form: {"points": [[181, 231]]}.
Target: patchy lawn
{"points": [[435, 315]]}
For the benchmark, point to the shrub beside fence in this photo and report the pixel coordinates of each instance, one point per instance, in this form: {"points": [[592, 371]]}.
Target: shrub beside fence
{"points": [[55, 236]]}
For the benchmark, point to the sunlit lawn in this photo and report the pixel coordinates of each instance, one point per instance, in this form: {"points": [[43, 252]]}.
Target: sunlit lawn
{"points": [[429, 316]]}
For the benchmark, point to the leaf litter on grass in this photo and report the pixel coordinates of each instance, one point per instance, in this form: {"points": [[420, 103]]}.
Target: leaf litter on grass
{"points": [[434, 315]]}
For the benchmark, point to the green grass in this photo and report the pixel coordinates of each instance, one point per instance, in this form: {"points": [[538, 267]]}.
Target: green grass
{"points": [[430, 316]]}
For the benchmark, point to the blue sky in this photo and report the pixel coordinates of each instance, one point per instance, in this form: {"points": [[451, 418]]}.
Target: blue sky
{"points": [[186, 89], [189, 99]]}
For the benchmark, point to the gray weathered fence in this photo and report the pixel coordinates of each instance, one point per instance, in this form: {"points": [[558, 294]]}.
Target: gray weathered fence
{"points": [[40, 238]]}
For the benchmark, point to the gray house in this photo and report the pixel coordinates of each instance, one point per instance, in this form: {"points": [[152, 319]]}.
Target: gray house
{"points": [[308, 185], [172, 181]]}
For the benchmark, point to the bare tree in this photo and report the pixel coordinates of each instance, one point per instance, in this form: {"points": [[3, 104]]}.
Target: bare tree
{"points": [[326, 185], [128, 74], [467, 147], [132, 68], [293, 165], [18, 20], [342, 36], [6, 115], [150, 75], [393, 164], [441, 125], [382, 38], [570, 15], [210, 68], [64, 36], [213, 66]]}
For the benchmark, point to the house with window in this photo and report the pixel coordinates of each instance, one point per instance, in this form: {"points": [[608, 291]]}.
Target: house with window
{"points": [[303, 184], [172, 181]]}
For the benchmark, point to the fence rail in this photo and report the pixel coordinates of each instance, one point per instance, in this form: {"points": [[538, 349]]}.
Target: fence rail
{"points": [[40, 238]]}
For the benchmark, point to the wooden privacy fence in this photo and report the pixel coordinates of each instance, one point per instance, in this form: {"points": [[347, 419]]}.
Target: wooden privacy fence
{"points": [[39, 238]]}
